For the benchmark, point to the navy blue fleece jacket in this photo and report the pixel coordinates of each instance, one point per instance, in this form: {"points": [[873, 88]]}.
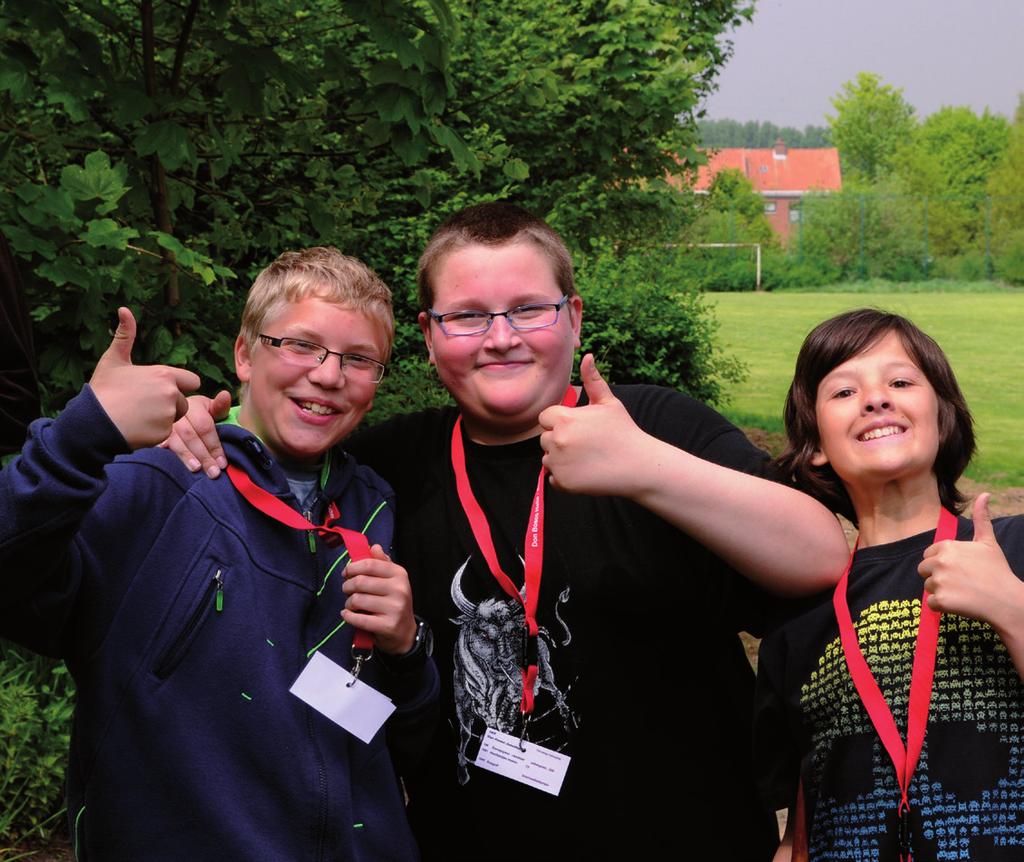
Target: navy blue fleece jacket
{"points": [[184, 616]]}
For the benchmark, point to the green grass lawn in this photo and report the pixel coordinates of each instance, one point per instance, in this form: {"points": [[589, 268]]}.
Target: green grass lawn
{"points": [[982, 333]]}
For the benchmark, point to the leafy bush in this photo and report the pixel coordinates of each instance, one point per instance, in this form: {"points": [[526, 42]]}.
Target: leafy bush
{"points": [[730, 212], [793, 270], [409, 385], [1009, 261], [969, 266], [165, 178], [646, 322], [863, 236], [36, 703]]}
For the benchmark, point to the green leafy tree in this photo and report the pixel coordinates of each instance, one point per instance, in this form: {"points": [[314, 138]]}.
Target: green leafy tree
{"points": [[946, 164], [858, 234], [731, 212], [1006, 188], [587, 96], [872, 121], [154, 151], [158, 154], [730, 133], [965, 146], [672, 339]]}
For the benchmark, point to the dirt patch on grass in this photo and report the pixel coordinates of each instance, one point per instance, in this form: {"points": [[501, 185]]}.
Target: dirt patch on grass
{"points": [[1005, 501]]}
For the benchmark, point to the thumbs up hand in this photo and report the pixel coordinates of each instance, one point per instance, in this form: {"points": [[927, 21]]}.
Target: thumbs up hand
{"points": [[589, 450], [141, 400], [973, 579]]}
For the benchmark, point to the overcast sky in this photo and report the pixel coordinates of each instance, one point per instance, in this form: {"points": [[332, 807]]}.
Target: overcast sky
{"points": [[796, 55]]}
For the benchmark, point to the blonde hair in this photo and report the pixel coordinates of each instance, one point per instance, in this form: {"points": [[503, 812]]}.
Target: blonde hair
{"points": [[323, 273]]}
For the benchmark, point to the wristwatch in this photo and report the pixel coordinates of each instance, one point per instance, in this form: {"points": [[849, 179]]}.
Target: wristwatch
{"points": [[422, 648]]}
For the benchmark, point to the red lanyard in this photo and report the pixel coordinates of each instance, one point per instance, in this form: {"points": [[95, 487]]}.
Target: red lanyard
{"points": [[904, 759], [355, 542], [533, 551]]}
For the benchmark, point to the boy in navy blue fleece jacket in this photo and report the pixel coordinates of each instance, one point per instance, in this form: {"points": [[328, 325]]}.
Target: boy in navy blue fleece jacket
{"points": [[185, 614]]}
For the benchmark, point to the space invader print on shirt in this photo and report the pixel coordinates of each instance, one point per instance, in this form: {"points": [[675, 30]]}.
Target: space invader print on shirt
{"points": [[968, 789]]}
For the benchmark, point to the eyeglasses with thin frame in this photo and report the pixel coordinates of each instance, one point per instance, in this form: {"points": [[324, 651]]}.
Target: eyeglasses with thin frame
{"points": [[535, 315], [309, 355]]}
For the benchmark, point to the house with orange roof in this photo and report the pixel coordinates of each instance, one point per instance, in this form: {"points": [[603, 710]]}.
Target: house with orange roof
{"points": [[780, 175]]}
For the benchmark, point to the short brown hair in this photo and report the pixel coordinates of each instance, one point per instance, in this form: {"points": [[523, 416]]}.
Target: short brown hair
{"points": [[497, 223], [324, 273], [832, 343]]}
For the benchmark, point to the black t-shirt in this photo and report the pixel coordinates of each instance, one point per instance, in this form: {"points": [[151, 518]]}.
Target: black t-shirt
{"points": [[644, 682], [967, 793]]}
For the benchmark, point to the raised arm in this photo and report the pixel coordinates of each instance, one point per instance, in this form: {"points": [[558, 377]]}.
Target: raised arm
{"points": [[773, 534], [48, 492]]}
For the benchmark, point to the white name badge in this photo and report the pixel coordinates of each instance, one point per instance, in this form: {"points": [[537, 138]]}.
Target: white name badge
{"points": [[537, 766], [359, 708]]}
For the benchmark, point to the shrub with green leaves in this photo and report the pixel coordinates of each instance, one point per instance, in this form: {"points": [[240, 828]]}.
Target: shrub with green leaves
{"points": [[159, 155], [89, 259], [646, 322], [36, 703], [1009, 261]]}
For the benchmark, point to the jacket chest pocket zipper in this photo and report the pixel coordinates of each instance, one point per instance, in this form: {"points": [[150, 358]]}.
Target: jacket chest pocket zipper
{"points": [[213, 596]]}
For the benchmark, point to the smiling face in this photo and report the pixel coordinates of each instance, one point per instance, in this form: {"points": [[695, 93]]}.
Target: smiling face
{"points": [[503, 379], [299, 413], [878, 420]]}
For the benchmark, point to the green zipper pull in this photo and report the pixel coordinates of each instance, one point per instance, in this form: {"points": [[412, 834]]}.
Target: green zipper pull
{"points": [[219, 601], [310, 534]]}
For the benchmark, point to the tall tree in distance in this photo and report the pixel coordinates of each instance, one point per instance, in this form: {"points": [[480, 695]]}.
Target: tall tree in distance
{"points": [[945, 164], [716, 134], [1006, 187], [872, 121], [731, 211]]}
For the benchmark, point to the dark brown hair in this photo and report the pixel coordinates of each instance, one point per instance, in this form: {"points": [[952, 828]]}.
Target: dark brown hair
{"points": [[832, 343], [497, 223]]}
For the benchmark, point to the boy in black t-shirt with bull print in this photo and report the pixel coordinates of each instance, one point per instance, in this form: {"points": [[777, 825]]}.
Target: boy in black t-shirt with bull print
{"points": [[572, 617]]}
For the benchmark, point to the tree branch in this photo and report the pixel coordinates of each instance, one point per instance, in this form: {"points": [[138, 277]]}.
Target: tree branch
{"points": [[467, 106], [29, 136], [179, 51], [160, 257], [158, 189]]}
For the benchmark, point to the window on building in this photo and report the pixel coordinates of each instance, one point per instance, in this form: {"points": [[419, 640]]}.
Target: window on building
{"points": [[770, 207], [794, 214]]}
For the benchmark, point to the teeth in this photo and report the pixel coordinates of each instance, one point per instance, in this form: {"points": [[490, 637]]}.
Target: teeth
{"points": [[887, 431], [319, 409]]}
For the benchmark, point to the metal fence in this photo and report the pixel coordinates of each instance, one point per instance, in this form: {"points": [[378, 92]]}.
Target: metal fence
{"points": [[851, 236]]}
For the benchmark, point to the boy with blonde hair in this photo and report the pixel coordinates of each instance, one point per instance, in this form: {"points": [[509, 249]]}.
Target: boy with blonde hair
{"points": [[187, 609]]}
